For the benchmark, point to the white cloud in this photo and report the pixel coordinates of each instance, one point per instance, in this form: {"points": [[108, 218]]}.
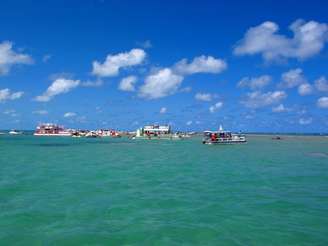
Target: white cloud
{"points": [[59, 86], [189, 122], [255, 83], [160, 84], [127, 83], [280, 108], [322, 102], [200, 64], [215, 107], [305, 89], [203, 97], [292, 78], [167, 81], [8, 57], [6, 94], [40, 112], [69, 114], [258, 99], [113, 63], [321, 84], [308, 40], [163, 110], [305, 121]]}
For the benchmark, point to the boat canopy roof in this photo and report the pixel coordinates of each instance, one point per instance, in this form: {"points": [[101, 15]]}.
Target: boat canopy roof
{"points": [[217, 132]]}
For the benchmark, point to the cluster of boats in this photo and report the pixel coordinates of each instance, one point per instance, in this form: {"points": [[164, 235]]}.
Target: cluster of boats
{"points": [[148, 132], [159, 132], [50, 129]]}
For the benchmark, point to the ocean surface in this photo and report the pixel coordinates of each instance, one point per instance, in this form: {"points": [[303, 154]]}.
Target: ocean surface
{"points": [[75, 191]]}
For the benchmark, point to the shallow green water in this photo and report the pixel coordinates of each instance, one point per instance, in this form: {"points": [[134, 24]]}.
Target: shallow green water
{"points": [[66, 191]]}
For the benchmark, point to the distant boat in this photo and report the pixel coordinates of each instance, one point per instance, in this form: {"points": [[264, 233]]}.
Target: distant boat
{"points": [[157, 132], [108, 133], [222, 137], [92, 134], [51, 130], [14, 132], [277, 138]]}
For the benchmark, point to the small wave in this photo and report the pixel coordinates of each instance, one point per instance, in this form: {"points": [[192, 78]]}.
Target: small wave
{"points": [[318, 154]]}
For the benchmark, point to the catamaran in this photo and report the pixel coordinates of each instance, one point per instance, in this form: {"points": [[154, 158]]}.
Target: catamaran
{"points": [[223, 137], [157, 132]]}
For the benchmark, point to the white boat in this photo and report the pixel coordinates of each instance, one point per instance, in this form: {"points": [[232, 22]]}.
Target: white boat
{"points": [[154, 132], [108, 133], [50, 129], [92, 134], [14, 132], [223, 137]]}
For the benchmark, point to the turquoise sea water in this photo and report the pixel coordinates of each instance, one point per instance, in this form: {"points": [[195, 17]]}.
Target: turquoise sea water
{"points": [[67, 191]]}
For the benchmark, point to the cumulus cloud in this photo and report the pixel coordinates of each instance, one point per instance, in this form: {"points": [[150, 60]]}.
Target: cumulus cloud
{"points": [[305, 121], [305, 89], [6, 95], [114, 63], [308, 40], [200, 64], [321, 84], [203, 97], [322, 102], [167, 81], [189, 122], [40, 112], [128, 83], [280, 108], [215, 107], [258, 99], [69, 114], [59, 86], [292, 78], [160, 84], [255, 83], [8, 57], [163, 110]]}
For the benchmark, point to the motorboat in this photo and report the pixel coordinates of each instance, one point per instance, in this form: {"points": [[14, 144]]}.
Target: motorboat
{"points": [[223, 137], [15, 132]]}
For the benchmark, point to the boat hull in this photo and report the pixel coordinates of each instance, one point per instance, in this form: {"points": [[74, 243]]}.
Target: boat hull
{"points": [[53, 134], [224, 142]]}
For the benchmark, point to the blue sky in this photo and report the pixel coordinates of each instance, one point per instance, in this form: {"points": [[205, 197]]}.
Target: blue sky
{"points": [[255, 66]]}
